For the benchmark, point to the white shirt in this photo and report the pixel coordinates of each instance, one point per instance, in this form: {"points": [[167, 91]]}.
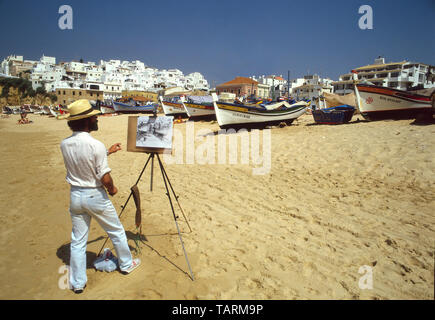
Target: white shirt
{"points": [[85, 160]]}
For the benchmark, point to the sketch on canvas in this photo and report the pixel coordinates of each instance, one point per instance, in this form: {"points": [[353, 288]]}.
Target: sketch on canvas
{"points": [[154, 132]]}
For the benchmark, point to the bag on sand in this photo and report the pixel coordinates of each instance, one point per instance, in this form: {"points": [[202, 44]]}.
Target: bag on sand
{"points": [[106, 262]]}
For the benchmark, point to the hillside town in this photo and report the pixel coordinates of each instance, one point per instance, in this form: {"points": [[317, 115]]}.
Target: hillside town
{"points": [[107, 80], [114, 79]]}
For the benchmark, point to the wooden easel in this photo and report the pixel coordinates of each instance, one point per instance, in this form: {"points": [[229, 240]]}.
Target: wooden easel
{"points": [[152, 155]]}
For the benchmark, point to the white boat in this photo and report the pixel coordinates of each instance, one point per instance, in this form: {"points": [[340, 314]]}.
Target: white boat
{"points": [[173, 107], [231, 114], [54, 112], [199, 106], [16, 110], [46, 110], [130, 104], [105, 109], [105, 106], [375, 102], [7, 110], [35, 109]]}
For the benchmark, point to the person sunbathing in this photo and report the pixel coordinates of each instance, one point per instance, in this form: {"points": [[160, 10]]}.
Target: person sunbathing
{"points": [[24, 119]]}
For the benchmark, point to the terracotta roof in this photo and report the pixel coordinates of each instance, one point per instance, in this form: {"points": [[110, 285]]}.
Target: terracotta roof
{"points": [[239, 80]]}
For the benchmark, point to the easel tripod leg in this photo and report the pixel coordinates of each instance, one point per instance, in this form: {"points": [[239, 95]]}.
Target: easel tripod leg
{"points": [[152, 171], [173, 191], [175, 218]]}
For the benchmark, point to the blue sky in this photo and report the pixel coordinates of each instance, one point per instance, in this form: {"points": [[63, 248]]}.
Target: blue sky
{"points": [[223, 39]]}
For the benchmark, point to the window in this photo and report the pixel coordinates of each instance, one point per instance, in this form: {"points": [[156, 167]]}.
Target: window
{"points": [[395, 74], [64, 92], [74, 93], [80, 93]]}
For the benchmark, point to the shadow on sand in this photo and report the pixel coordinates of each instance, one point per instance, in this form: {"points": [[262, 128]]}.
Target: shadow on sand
{"points": [[64, 251]]}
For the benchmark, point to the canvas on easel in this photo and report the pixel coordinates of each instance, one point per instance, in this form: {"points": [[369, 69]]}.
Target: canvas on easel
{"points": [[150, 134]]}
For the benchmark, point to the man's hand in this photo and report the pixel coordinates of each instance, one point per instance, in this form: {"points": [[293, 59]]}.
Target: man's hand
{"points": [[116, 147], [112, 191]]}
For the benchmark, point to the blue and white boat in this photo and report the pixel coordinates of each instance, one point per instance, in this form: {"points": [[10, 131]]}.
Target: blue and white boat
{"points": [[334, 115], [239, 115], [132, 105]]}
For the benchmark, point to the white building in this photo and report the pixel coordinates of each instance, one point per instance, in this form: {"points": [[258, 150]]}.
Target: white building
{"points": [[196, 80], [312, 87], [46, 73], [397, 75], [48, 60], [277, 84], [112, 77], [4, 67]]}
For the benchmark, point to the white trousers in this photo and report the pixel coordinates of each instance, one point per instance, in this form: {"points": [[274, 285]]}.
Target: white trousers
{"points": [[85, 204]]}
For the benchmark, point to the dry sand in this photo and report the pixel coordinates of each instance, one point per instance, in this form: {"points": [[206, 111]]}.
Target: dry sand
{"points": [[336, 198]]}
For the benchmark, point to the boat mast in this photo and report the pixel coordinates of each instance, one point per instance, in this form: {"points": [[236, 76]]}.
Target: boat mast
{"points": [[288, 84]]}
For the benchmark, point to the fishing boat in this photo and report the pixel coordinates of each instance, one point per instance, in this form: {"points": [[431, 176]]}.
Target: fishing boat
{"points": [[235, 115], [53, 112], [16, 110], [105, 106], [57, 111], [173, 106], [376, 102], [35, 109], [7, 110], [199, 106], [334, 115], [135, 104]]}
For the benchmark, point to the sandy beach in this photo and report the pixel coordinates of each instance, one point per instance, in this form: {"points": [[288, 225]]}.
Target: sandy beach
{"points": [[336, 198]]}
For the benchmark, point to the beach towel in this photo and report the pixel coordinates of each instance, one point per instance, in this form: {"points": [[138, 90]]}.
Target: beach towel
{"points": [[106, 262]]}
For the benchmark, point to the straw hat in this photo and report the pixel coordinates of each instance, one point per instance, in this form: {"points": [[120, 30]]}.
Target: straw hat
{"points": [[80, 109]]}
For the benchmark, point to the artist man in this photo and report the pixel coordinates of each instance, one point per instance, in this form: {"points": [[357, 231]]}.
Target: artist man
{"points": [[89, 176]]}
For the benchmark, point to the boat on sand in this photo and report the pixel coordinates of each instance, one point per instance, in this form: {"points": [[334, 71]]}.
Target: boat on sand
{"points": [[376, 102], [239, 115]]}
